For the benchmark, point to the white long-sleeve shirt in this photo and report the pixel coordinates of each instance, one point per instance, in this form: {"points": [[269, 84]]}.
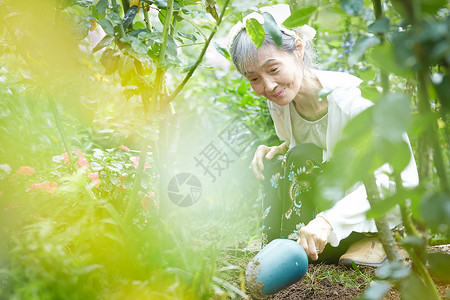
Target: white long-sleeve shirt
{"points": [[344, 103]]}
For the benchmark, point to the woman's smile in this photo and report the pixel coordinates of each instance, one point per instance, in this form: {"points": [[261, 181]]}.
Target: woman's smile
{"points": [[278, 94]]}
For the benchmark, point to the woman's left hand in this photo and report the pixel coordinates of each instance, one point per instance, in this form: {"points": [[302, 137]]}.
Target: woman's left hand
{"points": [[314, 236]]}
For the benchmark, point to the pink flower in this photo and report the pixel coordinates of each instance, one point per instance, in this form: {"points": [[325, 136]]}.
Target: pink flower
{"points": [[51, 187], [25, 171], [135, 161], [82, 162], [148, 201], [124, 147], [78, 152], [94, 177], [66, 157], [45, 186]]}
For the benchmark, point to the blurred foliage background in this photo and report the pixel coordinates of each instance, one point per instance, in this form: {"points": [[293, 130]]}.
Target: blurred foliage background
{"points": [[90, 139]]}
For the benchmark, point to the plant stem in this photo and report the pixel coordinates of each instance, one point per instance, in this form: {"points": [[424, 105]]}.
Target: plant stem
{"points": [[156, 94], [200, 58], [120, 26], [431, 134], [59, 125], [410, 228], [162, 52], [423, 272], [384, 232], [132, 203], [148, 24], [378, 9]]}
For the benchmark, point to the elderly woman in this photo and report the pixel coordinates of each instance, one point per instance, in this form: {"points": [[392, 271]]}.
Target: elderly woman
{"points": [[310, 127]]}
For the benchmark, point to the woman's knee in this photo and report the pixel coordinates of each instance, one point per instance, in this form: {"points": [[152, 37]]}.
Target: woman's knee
{"points": [[272, 166], [304, 152]]}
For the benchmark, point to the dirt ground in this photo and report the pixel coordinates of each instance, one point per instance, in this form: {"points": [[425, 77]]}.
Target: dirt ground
{"points": [[327, 290], [317, 286]]}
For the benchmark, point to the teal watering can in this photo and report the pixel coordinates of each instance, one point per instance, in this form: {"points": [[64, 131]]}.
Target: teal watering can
{"points": [[278, 265]]}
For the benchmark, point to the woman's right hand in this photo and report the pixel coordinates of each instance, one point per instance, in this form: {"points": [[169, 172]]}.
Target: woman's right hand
{"points": [[267, 152]]}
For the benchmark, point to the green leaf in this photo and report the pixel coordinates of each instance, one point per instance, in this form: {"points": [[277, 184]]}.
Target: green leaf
{"points": [[144, 184], [222, 51], [411, 242], [107, 26], [412, 288], [360, 48], [255, 31], [129, 16], [380, 208], [392, 116], [420, 123], [370, 92], [352, 7], [382, 56], [440, 264], [101, 6], [299, 17], [126, 69], [443, 90], [272, 28], [380, 26], [139, 25], [246, 100], [85, 3], [171, 47], [107, 40], [151, 36], [115, 180], [163, 4], [435, 209], [188, 36], [115, 17], [139, 46], [242, 89], [128, 183], [80, 31], [393, 270], [95, 166], [396, 154], [376, 290], [432, 6]]}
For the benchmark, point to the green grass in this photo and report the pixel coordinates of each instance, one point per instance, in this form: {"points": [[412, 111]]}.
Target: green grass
{"points": [[356, 278]]}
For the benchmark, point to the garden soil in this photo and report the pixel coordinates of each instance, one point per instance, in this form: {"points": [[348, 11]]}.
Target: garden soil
{"points": [[310, 288], [314, 287]]}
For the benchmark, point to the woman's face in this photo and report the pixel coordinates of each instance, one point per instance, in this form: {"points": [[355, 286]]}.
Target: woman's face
{"points": [[276, 76]]}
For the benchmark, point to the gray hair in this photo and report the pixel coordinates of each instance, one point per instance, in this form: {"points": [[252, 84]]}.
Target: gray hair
{"points": [[244, 52]]}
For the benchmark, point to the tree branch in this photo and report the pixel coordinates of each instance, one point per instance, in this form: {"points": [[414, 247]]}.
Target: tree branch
{"points": [[146, 18], [384, 232], [200, 58]]}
